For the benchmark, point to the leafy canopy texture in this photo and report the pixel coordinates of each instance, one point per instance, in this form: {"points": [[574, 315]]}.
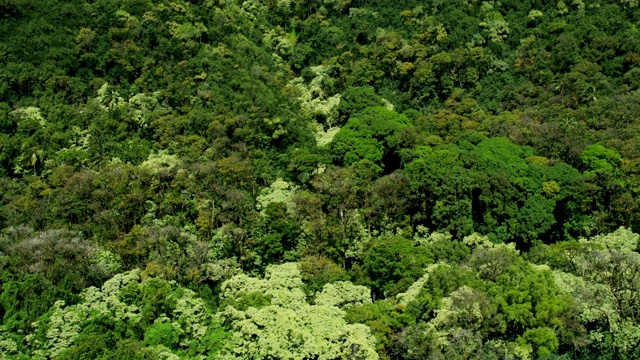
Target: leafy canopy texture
{"points": [[287, 327], [169, 320], [319, 179]]}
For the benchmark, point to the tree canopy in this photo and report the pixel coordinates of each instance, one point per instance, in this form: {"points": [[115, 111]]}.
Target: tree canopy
{"points": [[338, 179]]}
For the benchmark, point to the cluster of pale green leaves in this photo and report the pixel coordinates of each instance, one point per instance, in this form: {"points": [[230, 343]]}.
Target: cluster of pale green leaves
{"points": [[459, 324], [30, 113], [414, 290], [423, 238], [461, 315], [604, 280], [65, 322], [630, 3], [279, 191], [139, 108], [315, 102], [8, 346], [29, 117], [161, 163], [189, 318], [494, 23], [290, 328]]}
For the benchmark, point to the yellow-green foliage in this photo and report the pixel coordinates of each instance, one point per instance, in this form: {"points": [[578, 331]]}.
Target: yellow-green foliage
{"points": [[622, 239], [279, 191], [30, 113], [534, 14], [423, 238], [343, 294], [476, 241], [325, 137], [8, 346], [138, 108], [604, 283], [188, 317], [414, 290], [290, 328], [65, 323], [161, 162], [550, 188], [495, 25], [108, 261], [313, 98]]}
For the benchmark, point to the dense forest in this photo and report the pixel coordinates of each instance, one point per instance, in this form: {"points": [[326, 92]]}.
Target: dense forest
{"points": [[306, 179]]}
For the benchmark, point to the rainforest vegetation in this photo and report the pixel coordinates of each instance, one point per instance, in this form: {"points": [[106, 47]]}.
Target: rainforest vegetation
{"points": [[320, 179]]}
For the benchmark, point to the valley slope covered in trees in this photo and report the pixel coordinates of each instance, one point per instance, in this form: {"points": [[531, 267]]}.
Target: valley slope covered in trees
{"points": [[306, 179]]}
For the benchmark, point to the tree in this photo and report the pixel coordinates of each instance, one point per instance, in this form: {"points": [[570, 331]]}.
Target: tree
{"points": [[41, 268], [354, 100], [393, 263], [373, 135], [289, 327], [602, 276], [167, 320]]}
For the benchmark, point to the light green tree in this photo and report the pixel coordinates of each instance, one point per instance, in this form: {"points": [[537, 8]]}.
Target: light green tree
{"points": [[290, 328], [603, 279], [494, 23], [278, 191], [170, 315], [343, 294]]}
